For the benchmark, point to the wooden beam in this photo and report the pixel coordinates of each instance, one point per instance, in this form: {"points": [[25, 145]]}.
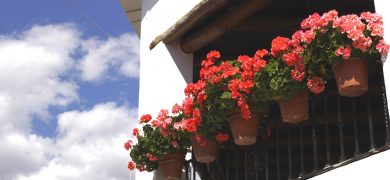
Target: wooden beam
{"points": [[193, 17], [269, 24], [217, 28]]}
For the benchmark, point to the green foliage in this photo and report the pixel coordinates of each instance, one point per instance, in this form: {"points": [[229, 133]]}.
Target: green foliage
{"points": [[152, 142], [213, 117], [320, 55], [277, 82]]}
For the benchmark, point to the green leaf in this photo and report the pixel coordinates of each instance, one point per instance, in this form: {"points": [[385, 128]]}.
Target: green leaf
{"points": [[226, 95]]}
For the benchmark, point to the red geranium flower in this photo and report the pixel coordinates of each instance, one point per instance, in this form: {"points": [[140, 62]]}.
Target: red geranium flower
{"points": [[201, 97], [344, 52], [135, 131], [175, 144], [260, 53], [201, 140], [316, 85], [221, 137], [176, 108], [155, 123], [311, 21], [291, 59], [127, 145], [188, 106], [140, 167], [145, 118], [297, 75], [382, 47], [151, 157], [213, 55], [279, 44], [131, 166], [260, 64], [244, 109]]}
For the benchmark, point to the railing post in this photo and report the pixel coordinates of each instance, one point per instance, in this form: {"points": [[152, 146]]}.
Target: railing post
{"points": [[355, 128], [246, 164], [236, 160], [257, 160], [277, 152], [326, 132], [193, 166], [289, 152], [314, 136], [266, 152], [371, 128], [302, 172], [227, 164], [186, 164], [341, 133]]}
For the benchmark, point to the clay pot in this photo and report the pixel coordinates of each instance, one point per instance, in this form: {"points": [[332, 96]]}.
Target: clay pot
{"points": [[351, 77], [296, 109], [244, 130], [205, 153], [171, 165]]}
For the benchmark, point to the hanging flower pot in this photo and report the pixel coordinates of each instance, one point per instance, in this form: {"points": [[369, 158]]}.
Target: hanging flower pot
{"points": [[244, 130], [205, 152], [296, 109], [171, 165], [351, 77]]}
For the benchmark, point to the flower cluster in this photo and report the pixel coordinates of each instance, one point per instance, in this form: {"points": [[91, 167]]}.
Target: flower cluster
{"points": [[340, 38], [316, 85], [242, 86], [202, 99], [157, 138], [347, 35], [286, 69]]}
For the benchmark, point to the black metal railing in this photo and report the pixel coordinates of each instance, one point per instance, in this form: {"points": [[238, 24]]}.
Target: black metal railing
{"points": [[340, 130]]}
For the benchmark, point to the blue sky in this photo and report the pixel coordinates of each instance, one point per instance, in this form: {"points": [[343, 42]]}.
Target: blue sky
{"points": [[64, 80]]}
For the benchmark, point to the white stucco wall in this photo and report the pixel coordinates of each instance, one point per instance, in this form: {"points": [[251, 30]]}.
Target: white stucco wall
{"points": [[377, 166], [165, 70]]}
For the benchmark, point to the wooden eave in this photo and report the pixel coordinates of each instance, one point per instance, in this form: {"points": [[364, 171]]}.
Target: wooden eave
{"points": [[132, 9], [193, 17], [214, 29]]}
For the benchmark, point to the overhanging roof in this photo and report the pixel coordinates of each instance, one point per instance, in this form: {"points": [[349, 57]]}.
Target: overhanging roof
{"points": [[240, 11], [132, 9]]}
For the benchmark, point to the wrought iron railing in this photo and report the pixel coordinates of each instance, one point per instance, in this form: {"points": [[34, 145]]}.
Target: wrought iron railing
{"points": [[340, 130]]}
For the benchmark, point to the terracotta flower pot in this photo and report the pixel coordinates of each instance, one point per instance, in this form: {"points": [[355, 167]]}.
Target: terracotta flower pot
{"points": [[172, 165], [205, 153], [351, 77], [244, 130], [296, 109]]}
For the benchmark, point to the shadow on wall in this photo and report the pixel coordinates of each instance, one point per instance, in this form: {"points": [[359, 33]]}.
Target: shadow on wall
{"points": [[146, 6], [184, 62]]}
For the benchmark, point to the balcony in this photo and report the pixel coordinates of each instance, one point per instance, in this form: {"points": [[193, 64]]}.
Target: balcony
{"points": [[340, 131]]}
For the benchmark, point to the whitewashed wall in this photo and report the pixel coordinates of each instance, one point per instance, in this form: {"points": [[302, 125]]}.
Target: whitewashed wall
{"points": [[377, 166], [165, 70]]}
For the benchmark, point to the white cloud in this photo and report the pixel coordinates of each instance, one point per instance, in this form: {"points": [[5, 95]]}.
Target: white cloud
{"points": [[22, 154], [35, 67], [102, 56], [31, 64], [89, 145]]}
